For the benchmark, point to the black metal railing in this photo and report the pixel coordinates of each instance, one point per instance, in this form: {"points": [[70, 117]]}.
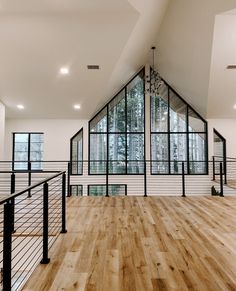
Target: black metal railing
{"points": [[29, 225], [144, 178]]}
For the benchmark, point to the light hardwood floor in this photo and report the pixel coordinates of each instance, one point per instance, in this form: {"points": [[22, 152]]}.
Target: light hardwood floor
{"points": [[136, 243]]}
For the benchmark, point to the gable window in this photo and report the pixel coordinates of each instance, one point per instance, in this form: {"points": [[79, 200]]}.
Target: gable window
{"points": [[76, 153], [116, 133], [178, 134], [27, 147]]}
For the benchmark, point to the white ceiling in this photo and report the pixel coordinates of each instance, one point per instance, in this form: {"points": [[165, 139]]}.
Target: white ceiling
{"points": [[39, 37], [222, 85]]}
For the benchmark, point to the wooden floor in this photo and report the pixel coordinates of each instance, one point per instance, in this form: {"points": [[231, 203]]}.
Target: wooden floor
{"points": [[136, 243]]}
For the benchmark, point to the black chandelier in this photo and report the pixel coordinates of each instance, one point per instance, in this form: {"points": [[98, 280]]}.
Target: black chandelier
{"points": [[154, 79]]}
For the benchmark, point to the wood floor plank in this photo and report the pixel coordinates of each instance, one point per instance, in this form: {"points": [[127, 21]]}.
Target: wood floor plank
{"points": [[143, 244]]}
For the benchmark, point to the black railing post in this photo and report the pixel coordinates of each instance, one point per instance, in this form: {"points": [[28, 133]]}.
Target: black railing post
{"points": [[13, 183], [29, 178], [213, 168], [145, 179], [63, 214], [69, 170], [12, 201], [7, 246], [221, 181], [45, 259], [183, 181], [225, 170], [107, 179]]}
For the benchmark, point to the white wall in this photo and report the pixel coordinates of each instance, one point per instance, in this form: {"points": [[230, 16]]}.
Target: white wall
{"points": [[184, 46], [222, 86], [2, 130], [57, 134], [227, 128]]}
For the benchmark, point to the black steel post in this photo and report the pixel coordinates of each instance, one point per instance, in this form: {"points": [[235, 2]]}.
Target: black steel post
{"points": [[12, 201], [221, 181], [29, 178], [213, 168], [63, 210], [107, 179], [13, 183], [183, 181], [225, 170], [68, 179], [145, 179], [45, 259], [7, 246]]}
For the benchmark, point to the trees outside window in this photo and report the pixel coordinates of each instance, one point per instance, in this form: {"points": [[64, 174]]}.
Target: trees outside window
{"points": [[116, 133], [178, 134], [27, 147], [76, 153]]}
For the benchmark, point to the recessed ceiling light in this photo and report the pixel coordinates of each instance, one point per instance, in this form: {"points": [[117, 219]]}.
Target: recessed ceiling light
{"points": [[235, 106], [64, 71], [77, 106], [20, 106]]}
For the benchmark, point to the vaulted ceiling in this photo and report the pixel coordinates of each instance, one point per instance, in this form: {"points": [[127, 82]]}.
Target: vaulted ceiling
{"points": [[39, 37]]}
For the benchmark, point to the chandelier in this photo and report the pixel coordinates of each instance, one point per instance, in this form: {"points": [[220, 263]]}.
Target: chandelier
{"points": [[154, 79]]}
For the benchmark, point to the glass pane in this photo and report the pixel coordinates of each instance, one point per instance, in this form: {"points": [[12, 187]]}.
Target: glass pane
{"points": [[36, 165], [21, 137], [99, 122], [21, 147], [195, 122], [117, 167], [197, 153], [77, 154], [160, 154], [36, 147], [135, 104], [97, 190], [159, 110], [117, 147], [116, 190], [218, 146], [135, 152], [21, 156], [116, 113], [36, 137], [76, 190], [98, 153], [178, 151], [178, 113], [20, 165], [117, 153]]}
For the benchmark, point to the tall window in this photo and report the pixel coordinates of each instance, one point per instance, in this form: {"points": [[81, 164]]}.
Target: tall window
{"points": [[117, 132], [27, 147], [219, 151], [76, 153], [178, 133]]}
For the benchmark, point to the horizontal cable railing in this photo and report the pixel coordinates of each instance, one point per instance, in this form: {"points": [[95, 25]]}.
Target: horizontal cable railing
{"points": [[30, 221], [108, 178]]}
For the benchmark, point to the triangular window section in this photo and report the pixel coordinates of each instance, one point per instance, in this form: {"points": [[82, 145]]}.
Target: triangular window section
{"points": [[178, 134], [76, 153], [117, 132]]}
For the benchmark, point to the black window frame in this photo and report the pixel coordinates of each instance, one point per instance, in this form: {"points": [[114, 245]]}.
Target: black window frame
{"points": [[28, 160], [82, 188], [187, 132], [88, 188], [71, 142], [224, 157], [126, 132]]}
